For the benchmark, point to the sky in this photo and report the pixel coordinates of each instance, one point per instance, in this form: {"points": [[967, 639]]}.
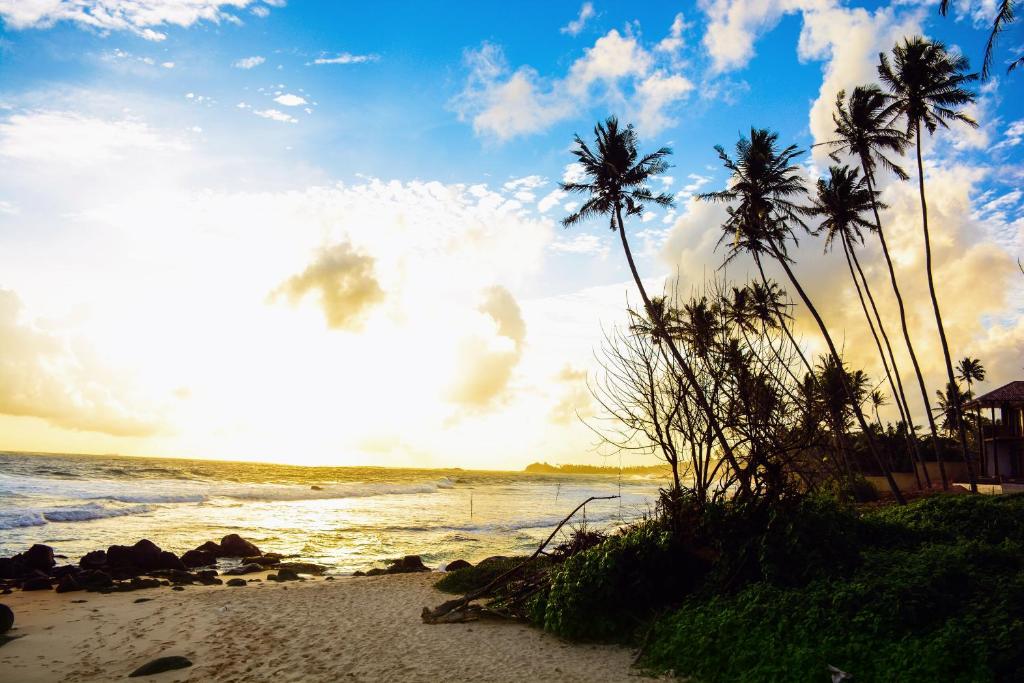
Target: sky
{"points": [[329, 233]]}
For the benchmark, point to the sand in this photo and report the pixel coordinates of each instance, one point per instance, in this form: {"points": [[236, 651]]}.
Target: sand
{"points": [[350, 629]]}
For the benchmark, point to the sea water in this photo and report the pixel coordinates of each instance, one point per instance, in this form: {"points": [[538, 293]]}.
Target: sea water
{"points": [[348, 518]]}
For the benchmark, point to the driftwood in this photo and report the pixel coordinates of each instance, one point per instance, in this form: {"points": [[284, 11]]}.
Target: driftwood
{"points": [[459, 609]]}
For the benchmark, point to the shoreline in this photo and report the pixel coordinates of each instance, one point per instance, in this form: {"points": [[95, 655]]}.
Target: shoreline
{"points": [[351, 628]]}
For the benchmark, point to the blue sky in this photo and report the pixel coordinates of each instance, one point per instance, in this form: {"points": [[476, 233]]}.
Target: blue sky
{"points": [[206, 142]]}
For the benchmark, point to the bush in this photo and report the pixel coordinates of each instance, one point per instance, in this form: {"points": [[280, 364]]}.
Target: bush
{"points": [[604, 592], [472, 578], [946, 612], [949, 518]]}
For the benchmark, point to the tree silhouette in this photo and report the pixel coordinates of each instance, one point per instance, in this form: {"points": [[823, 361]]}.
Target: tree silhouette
{"points": [[970, 370], [1005, 15], [764, 189], [615, 179], [927, 85], [864, 130]]}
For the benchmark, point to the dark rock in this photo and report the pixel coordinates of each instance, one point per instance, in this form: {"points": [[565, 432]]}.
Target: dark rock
{"points": [[97, 559], [198, 558], [376, 571], [287, 575], [244, 569], [64, 570], [6, 618], [68, 584], [314, 487], [94, 580], [208, 577], [160, 665], [211, 547], [267, 560], [457, 564], [176, 575], [8, 570], [146, 554], [168, 560], [236, 582], [119, 556], [234, 545], [407, 565], [37, 583], [78, 602], [177, 588], [138, 600], [38, 557], [303, 567], [359, 572], [329, 578], [492, 559], [138, 582]]}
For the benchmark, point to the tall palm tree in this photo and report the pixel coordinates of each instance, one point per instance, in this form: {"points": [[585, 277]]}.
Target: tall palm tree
{"points": [[763, 193], [615, 179], [864, 130], [1005, 15], [842, 200], [970, 370], [928, 85]]}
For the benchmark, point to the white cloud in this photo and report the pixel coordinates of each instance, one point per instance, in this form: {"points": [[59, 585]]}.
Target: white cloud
{"points": [[1012, 136], [574, 27], [290, 100], [261, 11], [550, 200], [581, 243], [674, 42], [78, 140], [275, 115], [136, 16], [345, 58], [167, 65], [617, 69], [249, 62]]}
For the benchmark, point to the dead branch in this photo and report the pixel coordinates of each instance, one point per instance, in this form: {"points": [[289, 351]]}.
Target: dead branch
{"points": [[439, 613]]}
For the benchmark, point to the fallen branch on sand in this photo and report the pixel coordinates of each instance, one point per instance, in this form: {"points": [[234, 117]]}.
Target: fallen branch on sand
{"points": [[459, 609]]}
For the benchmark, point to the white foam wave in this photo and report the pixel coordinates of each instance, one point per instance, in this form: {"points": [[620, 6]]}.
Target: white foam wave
{"points": [[159, 498], [17, 520], [273, 493], [84, 513]]}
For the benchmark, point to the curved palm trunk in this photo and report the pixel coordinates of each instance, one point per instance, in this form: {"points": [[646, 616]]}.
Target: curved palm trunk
{"points": [[938, 319], [911, 447], [901, 396], [897, 494], [932, 429], [698, 391]]}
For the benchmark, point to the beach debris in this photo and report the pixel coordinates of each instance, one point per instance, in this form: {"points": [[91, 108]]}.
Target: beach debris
{"points": [[236, 582], [455, 565], [838, 675], [161, 664], [439, 614], [6, 618]]}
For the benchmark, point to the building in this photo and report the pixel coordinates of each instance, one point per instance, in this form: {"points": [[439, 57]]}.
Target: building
{"points": [[1003, 434]]}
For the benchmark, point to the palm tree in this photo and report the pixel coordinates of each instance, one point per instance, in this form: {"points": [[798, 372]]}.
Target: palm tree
{"points": [[615, 178], [970, 370], [1004, 15], [841, 202], [864, 130], [927, 84], [948, 402], [762, 196]]}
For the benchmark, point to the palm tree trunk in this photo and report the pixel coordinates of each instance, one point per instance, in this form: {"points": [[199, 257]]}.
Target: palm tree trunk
{"points": [[933, 431], [900, 394], [911, 447], [865, 428], [938, 319], [698, 391]]}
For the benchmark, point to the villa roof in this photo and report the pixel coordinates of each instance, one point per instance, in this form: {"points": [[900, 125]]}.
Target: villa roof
{"points": [[1008, 393]]}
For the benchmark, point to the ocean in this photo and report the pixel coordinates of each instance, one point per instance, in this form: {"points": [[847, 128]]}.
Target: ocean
{"points": [[348, 518]]}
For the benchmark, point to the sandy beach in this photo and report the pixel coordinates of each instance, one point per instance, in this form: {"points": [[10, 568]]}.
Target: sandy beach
{"points": [[358, 629]]}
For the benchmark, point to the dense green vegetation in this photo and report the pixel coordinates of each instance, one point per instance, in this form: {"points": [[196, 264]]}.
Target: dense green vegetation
{"points": [[930, 591]]}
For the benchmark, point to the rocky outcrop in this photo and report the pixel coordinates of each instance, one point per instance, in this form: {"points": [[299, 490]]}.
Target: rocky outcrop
{"points": [[6, 618], [97, 559], [455, 565], [244, 569], [303, 567], [198, 558], [234, 583]]}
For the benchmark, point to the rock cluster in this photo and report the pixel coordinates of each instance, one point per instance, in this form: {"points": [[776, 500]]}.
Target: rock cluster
{"points": [[404, 565], [124, 568]]}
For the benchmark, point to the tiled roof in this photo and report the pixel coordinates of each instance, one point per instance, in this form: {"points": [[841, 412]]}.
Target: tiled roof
{"points": [[1008, 393]]}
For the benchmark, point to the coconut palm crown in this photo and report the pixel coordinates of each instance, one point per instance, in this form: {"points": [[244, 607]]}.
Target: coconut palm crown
{"points": [[864, 129], [616, 175], [927, 84], [841, 201], [764, 186]]}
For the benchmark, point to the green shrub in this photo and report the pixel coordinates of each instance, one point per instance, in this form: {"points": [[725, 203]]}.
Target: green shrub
{"points": [[943, 612], [604, 592], [471, 578], [945, 518]]}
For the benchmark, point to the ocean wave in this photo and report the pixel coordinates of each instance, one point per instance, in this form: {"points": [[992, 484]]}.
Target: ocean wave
{"points": [[274, 493], [84, 513], [17, 520], [157, 498]]}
